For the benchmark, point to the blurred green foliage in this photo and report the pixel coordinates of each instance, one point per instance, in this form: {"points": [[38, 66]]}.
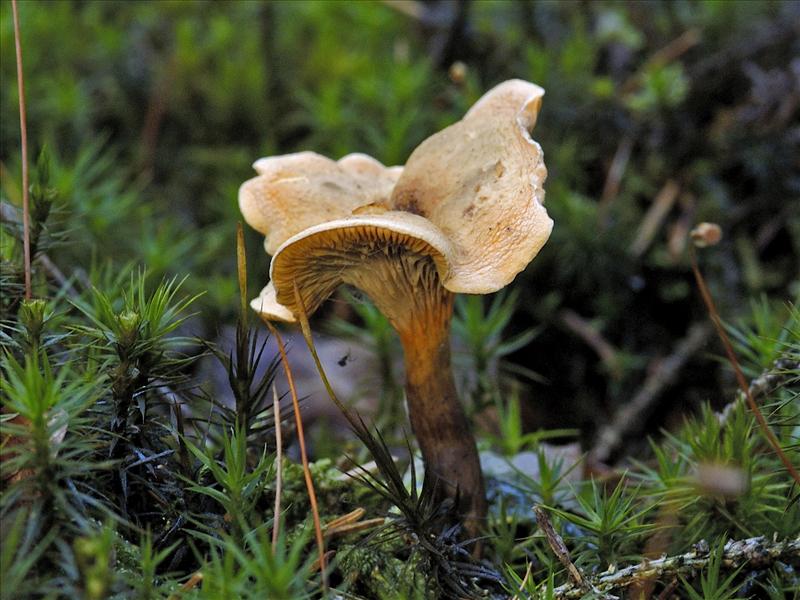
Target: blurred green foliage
{"points": [[658, 115], [154, 111]]}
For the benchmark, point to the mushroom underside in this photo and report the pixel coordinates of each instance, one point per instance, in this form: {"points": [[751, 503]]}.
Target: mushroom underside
{"points": [[393, 268]]}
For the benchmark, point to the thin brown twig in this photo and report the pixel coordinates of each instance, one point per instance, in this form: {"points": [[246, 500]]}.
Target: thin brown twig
{"points": [[558, 546], [758, 552], [157, 107], [193, 581], [667, 591], [312, 496], [740, 378], [654, 217], [276, 520], [23, 133], [524, 581], [351, 523], [672, 51]]}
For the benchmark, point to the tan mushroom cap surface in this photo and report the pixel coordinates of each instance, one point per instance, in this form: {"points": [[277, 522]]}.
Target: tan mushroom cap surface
{"points": [[296, 191], [481, 182], [470, 197]]}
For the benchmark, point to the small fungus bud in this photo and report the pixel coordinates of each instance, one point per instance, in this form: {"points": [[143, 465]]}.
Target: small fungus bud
{"points": [[706, 234], [715, 479], [458, 72]]}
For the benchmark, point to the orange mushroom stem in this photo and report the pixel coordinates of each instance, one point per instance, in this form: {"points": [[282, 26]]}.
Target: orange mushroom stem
{"points": [[407, 290]]}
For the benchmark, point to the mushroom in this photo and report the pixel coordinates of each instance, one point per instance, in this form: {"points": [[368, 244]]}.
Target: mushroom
{"points": [[465, 215]]}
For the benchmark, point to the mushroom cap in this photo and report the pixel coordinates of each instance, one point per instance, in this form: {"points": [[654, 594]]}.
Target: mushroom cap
{"points": [[470, 197], [296, 191], [481, 182]]}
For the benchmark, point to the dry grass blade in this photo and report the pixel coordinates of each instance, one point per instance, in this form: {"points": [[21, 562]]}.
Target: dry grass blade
{"points": [[276, 520], [558, 546], [23, 134], [193, 581], [351, 517], [312, 496], [351, 523], [241, 264], [740, 378], [241, 261], [306, 329], [524, 581]]}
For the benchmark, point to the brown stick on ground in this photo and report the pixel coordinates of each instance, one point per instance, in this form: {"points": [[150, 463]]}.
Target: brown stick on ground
{"points": [[558, 547], [757, 552], [593, 338], [672, 51], [651, 223], [614, 178]]}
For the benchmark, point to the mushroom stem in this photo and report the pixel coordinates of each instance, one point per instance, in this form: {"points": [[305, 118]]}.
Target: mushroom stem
{"points": [[406, 288], [438, 420]]}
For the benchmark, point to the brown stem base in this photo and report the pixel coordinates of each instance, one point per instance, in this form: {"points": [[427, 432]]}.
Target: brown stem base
{"points": [[439, 423], [405, 287]]}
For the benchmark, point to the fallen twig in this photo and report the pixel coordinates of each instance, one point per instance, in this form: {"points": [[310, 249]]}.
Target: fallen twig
{"points": [[193, 581], [667, 591], [558, 547], [614, 177], [593, 338], [653, 219], [764, 384], [351, 523], [756, 552], [677, 47]]}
